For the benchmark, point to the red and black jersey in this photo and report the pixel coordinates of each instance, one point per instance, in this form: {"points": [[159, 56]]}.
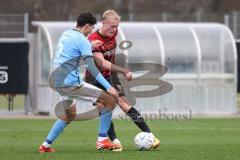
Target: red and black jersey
{"points": [[107, 49]]}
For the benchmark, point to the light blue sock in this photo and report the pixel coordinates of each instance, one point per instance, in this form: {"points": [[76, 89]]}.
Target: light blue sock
{"points": [[105, 122], [56, 130]]}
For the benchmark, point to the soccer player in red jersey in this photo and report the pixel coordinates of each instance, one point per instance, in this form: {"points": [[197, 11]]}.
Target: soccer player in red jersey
{"points": [[104, 56]]}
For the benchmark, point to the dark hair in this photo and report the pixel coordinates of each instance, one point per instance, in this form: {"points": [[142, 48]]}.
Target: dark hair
{"points": [[85, 18]]}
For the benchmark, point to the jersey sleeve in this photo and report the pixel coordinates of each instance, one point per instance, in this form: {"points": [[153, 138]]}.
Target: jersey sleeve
{"points": [[85, 48]]}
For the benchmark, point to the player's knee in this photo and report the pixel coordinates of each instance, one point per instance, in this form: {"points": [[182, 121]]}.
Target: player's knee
{"points": [[112, 103], [99, 105], [69, 107], [107, 100]]}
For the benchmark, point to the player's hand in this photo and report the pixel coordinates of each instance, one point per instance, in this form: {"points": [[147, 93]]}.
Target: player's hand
{"points": [[96, 43], [128, 75], [112, 91]]}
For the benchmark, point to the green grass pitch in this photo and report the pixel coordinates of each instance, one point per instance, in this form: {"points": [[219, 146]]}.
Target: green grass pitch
{"points": [[198, 139]]}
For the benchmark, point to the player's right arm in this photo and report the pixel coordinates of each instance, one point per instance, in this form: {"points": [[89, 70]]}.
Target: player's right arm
{"points": [[86, 54], [92, 69], [105, 64]]}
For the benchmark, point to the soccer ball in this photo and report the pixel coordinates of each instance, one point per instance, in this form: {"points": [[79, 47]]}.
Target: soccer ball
{"points": [[144, 140]]}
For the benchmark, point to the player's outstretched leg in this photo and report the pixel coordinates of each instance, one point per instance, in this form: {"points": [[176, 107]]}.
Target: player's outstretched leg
{"points": [[56, 130], [70, 109]]}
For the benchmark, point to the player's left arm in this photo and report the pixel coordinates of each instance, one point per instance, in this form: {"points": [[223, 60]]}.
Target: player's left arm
{"points": [[105, 64]]}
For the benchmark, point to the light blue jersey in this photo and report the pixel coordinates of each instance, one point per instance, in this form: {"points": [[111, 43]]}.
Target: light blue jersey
{"points": [[72, 46]]}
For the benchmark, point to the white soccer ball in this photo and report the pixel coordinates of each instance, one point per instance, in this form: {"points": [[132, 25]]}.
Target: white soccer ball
{"points": [[144, 140]]}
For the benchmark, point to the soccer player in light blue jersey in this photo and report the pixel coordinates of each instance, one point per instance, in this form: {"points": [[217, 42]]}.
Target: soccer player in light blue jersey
{"points": [[73, 47]]}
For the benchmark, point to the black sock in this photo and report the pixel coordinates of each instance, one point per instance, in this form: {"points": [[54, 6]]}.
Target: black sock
{"points": [[111, 132], [138, 119]]}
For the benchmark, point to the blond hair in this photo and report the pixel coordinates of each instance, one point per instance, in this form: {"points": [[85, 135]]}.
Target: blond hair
{"points": [[110, 14]]}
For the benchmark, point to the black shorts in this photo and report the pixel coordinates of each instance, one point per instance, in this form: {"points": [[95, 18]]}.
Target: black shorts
{"points": [[113, 81]]}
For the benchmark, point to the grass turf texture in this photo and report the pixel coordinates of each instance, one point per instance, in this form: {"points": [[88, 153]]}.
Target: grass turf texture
{"points": [[197, 139], [18, 102]]}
